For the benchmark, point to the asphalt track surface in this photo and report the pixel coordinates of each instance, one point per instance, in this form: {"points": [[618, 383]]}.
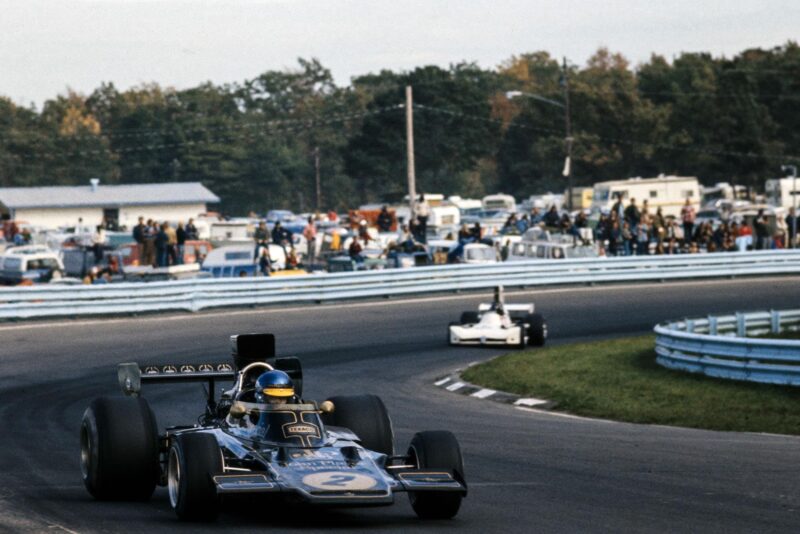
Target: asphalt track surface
{"points": [[528, 471]]}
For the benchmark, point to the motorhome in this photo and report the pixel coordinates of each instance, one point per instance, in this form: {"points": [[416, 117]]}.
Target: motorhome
{"points": [[581, 197], [544, 202], [499, 202], [465, 205], [666, 192], [783, 192], [722, 192]]}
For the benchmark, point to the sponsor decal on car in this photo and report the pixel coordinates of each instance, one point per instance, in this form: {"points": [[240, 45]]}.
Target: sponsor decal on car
{"points": [[339, 481]]}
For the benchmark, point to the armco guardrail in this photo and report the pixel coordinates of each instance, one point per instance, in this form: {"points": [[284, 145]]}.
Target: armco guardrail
{"points": [[719, 346], [194, 295]]}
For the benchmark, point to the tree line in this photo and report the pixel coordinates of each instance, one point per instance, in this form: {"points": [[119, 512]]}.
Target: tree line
{"points": [[253, 143]]}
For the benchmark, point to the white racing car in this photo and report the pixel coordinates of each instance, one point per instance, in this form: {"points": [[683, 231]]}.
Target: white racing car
{"points": [[499, 323]]}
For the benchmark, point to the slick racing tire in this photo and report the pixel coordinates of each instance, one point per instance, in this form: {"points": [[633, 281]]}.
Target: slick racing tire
{"points": [[449, 339], [537, 330], [193, 459], [366, 416], [119, 449], [436, 449], [470, 317]]}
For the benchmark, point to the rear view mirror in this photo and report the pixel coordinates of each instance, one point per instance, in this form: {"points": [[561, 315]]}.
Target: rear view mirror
{"points": [[130, 379]]}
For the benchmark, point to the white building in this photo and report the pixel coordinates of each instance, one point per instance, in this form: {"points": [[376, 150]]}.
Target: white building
{"points": [[53, 207]]}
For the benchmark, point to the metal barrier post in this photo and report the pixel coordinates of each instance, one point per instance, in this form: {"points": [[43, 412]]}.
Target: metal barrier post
{"points": [[741, 325], [775, 319], [712, 325]]}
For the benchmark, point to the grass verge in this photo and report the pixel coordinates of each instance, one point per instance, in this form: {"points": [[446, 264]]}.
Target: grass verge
{"points": [[619, 379]]}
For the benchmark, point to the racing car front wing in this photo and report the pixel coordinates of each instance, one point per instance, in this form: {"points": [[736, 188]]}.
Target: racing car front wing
{"points": [[474, 335], [340, 487]]}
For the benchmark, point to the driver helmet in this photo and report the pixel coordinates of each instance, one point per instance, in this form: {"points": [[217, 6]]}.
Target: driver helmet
{"points": [[274, 387]]}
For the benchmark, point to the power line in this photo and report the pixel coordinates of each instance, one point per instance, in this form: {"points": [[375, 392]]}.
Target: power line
{"points": [[560, 133], [267, 128]]}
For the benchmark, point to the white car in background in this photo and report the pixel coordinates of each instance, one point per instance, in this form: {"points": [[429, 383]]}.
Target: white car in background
{"points": [[497, 323]]}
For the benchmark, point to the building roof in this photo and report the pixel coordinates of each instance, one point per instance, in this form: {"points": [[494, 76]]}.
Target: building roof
{"points": [[106, 196]]}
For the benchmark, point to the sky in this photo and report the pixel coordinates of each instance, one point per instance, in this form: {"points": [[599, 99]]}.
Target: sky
{"points": [[47, 46]]}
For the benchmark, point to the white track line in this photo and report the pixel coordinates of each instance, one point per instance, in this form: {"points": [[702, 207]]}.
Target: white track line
{"points": [[529, 402], [483, 393]]}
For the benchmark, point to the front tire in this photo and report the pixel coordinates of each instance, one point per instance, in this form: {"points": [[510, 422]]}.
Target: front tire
{"points": [[537, 330], [193, 459], [119, 449], [436, 449], [449, 335], [366, 416]]}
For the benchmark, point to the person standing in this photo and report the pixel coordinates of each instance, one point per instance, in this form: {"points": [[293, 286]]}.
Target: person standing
{"points": [[261, 238], [161, 242], [633, 215], [150, 243], [423, 212], [139, 233], [310, 233], [172, 244], [191, 231], [98, 242], [791, 228], [180, 235], [761, 226], [688, 216]]}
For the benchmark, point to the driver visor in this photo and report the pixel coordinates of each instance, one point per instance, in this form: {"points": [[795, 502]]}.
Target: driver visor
{"points": [[279, 391]]}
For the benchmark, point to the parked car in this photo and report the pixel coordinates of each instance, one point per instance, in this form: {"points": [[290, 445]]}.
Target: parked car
{"points": [[30, 264]]}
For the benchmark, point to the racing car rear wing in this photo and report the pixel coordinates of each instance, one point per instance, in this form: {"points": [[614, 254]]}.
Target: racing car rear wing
{"points": [[508, 307], [131, 375], [245, 349]]}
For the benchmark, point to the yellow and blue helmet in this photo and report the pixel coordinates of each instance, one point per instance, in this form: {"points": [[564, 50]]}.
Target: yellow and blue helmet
{"points": [[274, 385]]}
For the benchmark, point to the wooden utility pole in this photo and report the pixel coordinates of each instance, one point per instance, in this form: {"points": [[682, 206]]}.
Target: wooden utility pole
{"points": [[412, 185], [568, 137], [316, 178]]}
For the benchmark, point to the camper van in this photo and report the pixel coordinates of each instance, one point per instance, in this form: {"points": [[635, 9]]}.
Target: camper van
{"points": [[499, 202], [666, 192], [581, 197], [539, 244], [781, 192], [722, 192]]}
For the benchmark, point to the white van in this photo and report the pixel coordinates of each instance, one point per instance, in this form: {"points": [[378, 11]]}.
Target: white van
{"points": [[35, 263], [781, 192], [499, 202], [666, 192], [540, 244]]}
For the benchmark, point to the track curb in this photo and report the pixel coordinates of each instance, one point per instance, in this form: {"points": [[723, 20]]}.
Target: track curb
{"points": [[455, 384]]}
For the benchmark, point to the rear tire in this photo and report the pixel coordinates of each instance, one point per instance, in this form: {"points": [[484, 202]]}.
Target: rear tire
{"points": [[522, 333], [193, 459], [366, 416], [436, 449], [470, 317], [119, 449], [537, 330]]}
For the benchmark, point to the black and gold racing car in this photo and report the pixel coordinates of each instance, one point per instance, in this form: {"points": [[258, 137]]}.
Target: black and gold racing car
{"points": [[337, 452]]}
